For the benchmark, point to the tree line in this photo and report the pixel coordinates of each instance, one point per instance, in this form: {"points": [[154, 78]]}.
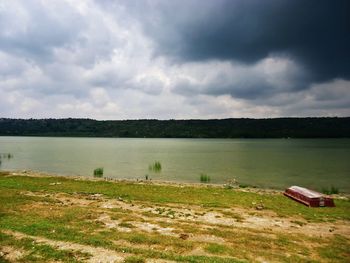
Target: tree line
{"points": [[215, 128]]}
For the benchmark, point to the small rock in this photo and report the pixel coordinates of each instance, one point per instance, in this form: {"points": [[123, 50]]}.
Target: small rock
{"points": [[259, 207], [184, 236], [94, 197]]}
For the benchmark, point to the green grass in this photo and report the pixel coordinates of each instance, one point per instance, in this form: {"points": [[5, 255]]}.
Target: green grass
{"points": [[236, 216], [216, 249], [44, 216], [35, 252], [337, 250], [204, 196], [134, 259], [74, 224]]}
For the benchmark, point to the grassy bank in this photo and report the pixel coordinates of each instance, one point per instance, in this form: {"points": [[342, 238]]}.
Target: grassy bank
{"points": [[72, 220]]}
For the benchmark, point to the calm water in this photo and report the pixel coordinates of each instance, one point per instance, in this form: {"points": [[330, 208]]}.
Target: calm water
{"points": [[275, 163]]}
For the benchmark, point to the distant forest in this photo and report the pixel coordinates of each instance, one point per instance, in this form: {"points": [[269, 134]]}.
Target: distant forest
{"points": [[215, 128]]}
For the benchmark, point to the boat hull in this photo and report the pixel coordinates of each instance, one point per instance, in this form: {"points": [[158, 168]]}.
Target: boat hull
{"points": [[308, 197]]}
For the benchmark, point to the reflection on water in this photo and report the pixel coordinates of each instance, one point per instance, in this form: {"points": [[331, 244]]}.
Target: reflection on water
{"points": [[277, 163]]}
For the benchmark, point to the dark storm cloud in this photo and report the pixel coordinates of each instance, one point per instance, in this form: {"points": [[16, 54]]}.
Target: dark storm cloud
{"points": [[314, 33], [116, 59], [32, 30]]}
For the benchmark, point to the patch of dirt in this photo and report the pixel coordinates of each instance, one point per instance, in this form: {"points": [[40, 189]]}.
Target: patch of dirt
{"points": [[196, 215], [98, 255], [106, 220], [258, 220], [207, 239], [141, 226], [149, 227], [159, 261], [199, 251], [11, 254]]}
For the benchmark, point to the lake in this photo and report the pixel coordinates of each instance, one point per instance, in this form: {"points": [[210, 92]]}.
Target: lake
{"points": [[271, 163]]}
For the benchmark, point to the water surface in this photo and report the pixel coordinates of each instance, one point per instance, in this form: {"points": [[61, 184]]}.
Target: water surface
{"points": [[274, 163]]}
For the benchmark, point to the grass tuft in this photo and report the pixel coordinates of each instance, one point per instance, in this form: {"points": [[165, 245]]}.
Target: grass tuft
{"points": [[216, 249], [6, 155], [126, 224], [134, 259], [155, 167], [204, 178], [98, 172], [332, 190]]}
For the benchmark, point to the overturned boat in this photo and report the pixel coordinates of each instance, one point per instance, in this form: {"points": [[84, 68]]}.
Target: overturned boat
{"points": [[308, 197]]}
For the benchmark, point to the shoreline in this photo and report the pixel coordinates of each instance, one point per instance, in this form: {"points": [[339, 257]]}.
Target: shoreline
{"points": [[235, 186]]}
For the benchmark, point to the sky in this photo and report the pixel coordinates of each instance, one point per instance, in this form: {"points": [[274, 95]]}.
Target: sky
{"points": [[167, 59]]}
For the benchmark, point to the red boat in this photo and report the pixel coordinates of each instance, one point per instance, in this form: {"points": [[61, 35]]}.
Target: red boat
{"points": [[308, 197]]}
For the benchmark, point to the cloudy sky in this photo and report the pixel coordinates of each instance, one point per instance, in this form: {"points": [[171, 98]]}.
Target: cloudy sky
{"points": [[174, 59]]}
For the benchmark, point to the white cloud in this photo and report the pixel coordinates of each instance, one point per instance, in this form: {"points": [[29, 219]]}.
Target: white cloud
{"points": [[78, 59], [271, 75]]}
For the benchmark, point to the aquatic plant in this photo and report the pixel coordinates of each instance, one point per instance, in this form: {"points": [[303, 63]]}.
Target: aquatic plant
{"points": [[204, 178], [155, 167], [332, 190], [6, 155], [98, 172]]}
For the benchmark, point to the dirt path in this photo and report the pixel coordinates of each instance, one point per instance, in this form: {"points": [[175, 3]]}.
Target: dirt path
{"points": [[98, 255], [154, 216], [11, 254]]}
